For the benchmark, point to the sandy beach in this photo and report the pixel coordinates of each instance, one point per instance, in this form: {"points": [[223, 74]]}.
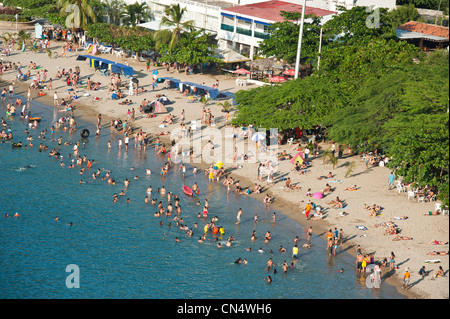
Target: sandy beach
{"points": [[372, 183]]}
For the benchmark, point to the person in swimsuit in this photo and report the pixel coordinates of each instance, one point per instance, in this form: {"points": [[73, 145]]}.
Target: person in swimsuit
{"points": [[238, 217]]}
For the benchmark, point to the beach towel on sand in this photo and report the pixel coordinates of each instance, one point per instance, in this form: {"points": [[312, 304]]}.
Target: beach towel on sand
{"points": [[361, 227]]}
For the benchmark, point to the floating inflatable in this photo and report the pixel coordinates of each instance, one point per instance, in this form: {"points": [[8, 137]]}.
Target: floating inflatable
{"points": [[32, 119], [187, 191], [16, 145], [85, 133]]}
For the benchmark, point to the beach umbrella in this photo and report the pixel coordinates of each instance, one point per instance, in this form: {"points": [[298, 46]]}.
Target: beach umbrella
{"points": [[219, 164], [258, 137], [318, 195], [289, 72], [242, 71], [277, 79]]}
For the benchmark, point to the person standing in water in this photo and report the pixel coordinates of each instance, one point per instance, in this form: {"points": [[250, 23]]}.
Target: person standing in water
{"points": [[239, 215]]}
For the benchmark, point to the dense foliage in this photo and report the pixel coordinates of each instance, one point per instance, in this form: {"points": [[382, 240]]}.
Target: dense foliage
{"points": [[283, 39], [372, 91], [193, 48], [134, 39]]}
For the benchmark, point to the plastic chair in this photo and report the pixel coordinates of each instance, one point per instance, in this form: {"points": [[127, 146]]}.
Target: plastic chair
{"points": [[194, 125], [411, 194], [437, 207]]}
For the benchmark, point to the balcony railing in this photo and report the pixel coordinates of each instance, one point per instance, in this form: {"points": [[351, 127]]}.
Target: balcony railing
{"points": [[227, 27], [243, 31]]}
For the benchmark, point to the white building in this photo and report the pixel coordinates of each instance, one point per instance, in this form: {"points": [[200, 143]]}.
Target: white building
{"points": [[204, 13], [243, 27], [242, 24], [207, 13]]}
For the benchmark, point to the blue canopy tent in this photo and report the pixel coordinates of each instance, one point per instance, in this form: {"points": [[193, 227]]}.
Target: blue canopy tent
{"points": [[227, 95], [114, 67], [213, 93], [174, 83]]}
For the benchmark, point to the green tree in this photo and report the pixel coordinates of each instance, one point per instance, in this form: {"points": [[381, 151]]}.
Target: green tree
{"points": [[33, 8], [114, 10], [426, 4], [357, 25], [173, 19], [297, 103], [403, 14], [135, 39], [195, 48], [283, 40], [386, 106], [83, 16], [351, 64], [421, 156], [135, 13]]}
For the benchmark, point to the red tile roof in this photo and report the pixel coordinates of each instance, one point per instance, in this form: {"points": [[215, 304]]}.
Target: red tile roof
{"points": [[425, 28], [270, 10]]}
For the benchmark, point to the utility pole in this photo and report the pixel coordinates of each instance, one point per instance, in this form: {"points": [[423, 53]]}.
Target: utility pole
{"points": [[300, 36], [320, 49]]}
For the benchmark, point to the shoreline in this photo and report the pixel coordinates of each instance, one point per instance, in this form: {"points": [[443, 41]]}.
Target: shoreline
{"points": [[289, 207], [284, 207]]}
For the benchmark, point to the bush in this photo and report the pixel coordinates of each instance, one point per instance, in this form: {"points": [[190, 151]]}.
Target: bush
{"points": [[12, 17], [9, 11]]}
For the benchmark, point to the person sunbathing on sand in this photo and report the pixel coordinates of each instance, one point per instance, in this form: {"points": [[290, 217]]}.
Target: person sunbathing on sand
{"points": [[167, 120], [437, 242], [438, 253], [126, 102], [398, 237], [330, 175], [289, 185], [373, 212], [354, 188], [284, 156], [327, 188], [435, 213], [318, 215], [337, 203]]}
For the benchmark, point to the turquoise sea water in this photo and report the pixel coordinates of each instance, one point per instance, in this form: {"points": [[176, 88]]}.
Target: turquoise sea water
{"points": [[121, 249]]}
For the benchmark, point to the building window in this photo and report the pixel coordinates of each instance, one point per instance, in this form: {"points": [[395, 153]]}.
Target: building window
{"points": [[261, 31], [244, 27], [227, 24]]}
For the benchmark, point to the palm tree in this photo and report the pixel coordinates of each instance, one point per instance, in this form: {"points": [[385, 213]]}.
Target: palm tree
{"points": [[172, 19], [114, 9], [226, 106], [135, 13], [7, 36], [328, 156], [24, 37], [82, 11]]}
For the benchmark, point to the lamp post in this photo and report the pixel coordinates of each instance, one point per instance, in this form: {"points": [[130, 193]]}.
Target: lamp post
{"points": [[300, 36], [17, 18]]}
